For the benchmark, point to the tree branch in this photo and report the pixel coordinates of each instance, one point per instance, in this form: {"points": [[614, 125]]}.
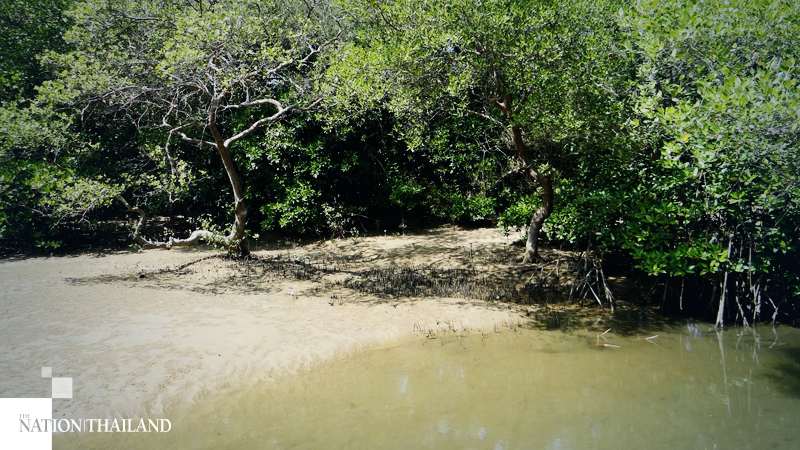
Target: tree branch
{"points": [[263, 101], [490, 118], [191, 140], [281, 112], [194, 238]]}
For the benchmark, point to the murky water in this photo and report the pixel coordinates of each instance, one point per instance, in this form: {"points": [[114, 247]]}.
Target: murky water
{"points": [[688, 388]]}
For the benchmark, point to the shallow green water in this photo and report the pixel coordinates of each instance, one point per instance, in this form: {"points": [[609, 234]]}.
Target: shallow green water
{"points": [[689, 388]]}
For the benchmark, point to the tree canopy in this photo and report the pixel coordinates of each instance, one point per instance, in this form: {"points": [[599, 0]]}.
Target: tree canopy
{"points": [[540, 71], [209, 75], [660, 134]]}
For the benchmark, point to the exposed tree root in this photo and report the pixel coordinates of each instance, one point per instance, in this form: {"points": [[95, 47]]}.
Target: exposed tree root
{"points": [[233, 242]]}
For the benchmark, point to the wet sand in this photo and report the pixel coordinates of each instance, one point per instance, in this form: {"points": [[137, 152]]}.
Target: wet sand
{"points": [[138, 331]]}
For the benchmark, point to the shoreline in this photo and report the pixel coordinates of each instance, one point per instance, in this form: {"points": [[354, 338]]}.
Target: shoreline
{"points": [[135, 343]]}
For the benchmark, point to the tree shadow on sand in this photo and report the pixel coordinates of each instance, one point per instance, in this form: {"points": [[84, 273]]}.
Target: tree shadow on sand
{"points": [[559, 291], [218, 273]]}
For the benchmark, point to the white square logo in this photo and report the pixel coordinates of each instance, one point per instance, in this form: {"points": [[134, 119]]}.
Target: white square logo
{"points": [[62, 387]]}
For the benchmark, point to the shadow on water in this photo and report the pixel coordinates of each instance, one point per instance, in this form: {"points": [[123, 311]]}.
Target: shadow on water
{"points": [[632, 320], [786, 373]]}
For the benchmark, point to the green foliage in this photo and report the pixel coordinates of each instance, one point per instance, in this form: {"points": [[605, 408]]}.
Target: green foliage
{"points": [[471, 208], [41, 180], [458, 57], [703, 180], [320, 179], [204, 74], [518, 215], [540, 73], [669, 128], [719, 90], [28, 28], [316, 181]]}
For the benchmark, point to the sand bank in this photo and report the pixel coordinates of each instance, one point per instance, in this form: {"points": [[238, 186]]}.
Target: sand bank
{"points": [[137, 331]]}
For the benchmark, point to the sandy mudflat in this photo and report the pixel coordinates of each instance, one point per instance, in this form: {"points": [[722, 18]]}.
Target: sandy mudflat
{"points": [[136, 332]]}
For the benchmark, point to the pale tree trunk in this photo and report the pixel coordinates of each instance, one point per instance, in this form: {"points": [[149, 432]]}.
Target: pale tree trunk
{"points": [[239, 209], [721, 310], [545, 182], [544, 211], [223, 85], [234, 242]]}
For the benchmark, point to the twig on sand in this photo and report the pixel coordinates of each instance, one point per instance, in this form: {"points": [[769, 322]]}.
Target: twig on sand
{"points": [[603, 335], [606, 344]]}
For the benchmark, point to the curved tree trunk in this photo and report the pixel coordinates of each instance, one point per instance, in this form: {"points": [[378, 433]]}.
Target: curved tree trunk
{"points": [[546, 183], [234, 241], [239, 209], [544, 211]]}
